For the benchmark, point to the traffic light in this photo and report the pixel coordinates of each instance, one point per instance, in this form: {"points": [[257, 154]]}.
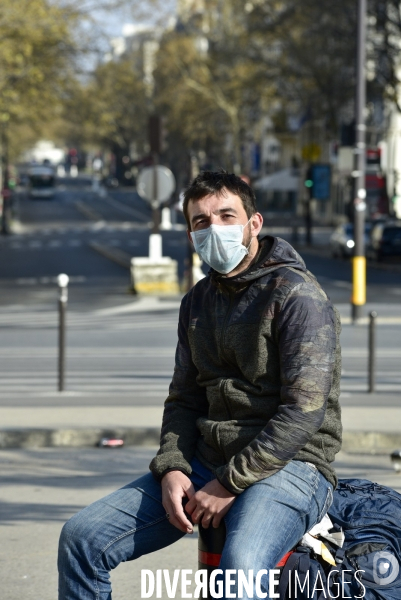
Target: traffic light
{"points": [[318, 181], [308, 183]]}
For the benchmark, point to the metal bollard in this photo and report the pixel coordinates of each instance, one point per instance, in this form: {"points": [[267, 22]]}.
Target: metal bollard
{"points": [[294, 235], [372, 351], [62, 281], [210, 548]]}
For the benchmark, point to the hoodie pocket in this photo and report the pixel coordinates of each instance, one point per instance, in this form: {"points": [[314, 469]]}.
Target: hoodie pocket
{"points": [[210, 432]]}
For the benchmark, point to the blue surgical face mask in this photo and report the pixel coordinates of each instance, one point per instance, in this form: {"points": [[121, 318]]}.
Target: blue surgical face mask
{"points": [[220, 246]]}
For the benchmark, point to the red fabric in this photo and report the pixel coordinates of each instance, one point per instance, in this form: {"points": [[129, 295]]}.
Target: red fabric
{"points": [[208, 558], [284, 559]]}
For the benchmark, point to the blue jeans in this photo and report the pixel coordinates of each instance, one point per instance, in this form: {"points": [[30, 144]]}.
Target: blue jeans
{"points": [[264, 523]]}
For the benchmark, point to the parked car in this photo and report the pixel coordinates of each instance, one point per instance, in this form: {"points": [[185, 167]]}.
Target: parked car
{"points": [[342, 241], [384, 241]]}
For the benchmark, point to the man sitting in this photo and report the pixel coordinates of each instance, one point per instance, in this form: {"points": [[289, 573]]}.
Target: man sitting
{"points": [[252, 421]]}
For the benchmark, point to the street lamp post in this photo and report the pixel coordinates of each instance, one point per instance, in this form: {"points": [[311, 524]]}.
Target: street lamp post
{"points": [[359, 259]]}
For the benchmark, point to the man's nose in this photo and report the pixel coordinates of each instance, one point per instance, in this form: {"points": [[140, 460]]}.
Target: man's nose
{"points": [[215, 220]]}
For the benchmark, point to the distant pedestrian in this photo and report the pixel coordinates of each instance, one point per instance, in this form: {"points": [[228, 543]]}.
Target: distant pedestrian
{"points": [[97, 165]]}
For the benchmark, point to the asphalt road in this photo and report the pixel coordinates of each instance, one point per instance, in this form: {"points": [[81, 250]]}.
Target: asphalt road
{"points": [[121, 350], [55, 236]]}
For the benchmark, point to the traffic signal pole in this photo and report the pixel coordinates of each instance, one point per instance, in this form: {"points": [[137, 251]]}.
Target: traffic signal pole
{"points": [[358, 299]]}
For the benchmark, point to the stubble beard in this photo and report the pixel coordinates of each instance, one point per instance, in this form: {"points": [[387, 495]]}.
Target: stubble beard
{"points": [[245, 242]]}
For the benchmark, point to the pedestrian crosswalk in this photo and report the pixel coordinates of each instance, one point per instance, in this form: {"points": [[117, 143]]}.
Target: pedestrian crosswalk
{"points": [[77, 239], [24, 244], [48, 319], [114, 373], [92, 383], [126, 351]]}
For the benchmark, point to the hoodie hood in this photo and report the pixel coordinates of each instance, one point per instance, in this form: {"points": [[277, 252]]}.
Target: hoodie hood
{"points": [[274, 253]]}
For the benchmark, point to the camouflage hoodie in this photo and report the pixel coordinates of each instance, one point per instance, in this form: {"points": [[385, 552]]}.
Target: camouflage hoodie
{"points": [[257, 374]]}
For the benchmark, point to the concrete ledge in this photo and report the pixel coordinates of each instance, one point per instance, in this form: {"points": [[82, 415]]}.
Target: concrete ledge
{"points": [[353, 441], [370, 442], [85, 437]]}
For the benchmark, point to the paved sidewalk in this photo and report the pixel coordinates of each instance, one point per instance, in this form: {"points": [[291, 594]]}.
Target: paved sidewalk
{"points": [[121, 375], [372, 422], [42, 488]]}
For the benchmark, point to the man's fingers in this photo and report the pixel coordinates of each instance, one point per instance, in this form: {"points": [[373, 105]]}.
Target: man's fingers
{"points": [[176, 489], [177, 523], [190, 506], [216, 521], [178, 518], [206, 520], [175, 520], [190, 491], [197, 515]]}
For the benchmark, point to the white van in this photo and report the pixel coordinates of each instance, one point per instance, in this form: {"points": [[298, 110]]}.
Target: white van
{"points": [[41, 181]]}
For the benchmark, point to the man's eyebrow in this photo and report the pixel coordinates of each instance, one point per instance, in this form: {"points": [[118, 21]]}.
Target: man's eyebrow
{"points": [[216, 212], [225, 209], [197, 217]]}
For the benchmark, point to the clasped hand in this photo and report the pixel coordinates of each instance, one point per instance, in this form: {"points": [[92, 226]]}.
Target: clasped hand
{"points": [[207, 506]]}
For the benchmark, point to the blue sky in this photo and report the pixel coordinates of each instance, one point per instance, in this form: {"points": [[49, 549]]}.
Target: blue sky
{"points": [[112, 22]]}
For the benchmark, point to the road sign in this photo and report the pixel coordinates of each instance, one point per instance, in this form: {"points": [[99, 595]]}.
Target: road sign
{"points": [[165, 183], [321, 181]]}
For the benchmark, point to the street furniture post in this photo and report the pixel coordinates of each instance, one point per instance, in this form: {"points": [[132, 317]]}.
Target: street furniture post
{"points": [[155, 143], [308, 206], [359, 259], [155, 201], [62, 281], [210, 548], [308, 221], [372, 351]]}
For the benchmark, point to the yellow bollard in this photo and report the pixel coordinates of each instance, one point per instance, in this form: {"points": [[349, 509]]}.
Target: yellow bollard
{"points": [[358, 281]]}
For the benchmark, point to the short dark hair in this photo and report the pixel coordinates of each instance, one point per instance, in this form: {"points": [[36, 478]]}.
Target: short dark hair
{"points": [[214, 182]]}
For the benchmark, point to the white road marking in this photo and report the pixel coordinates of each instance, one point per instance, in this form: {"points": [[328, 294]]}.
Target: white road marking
{"points": [[27, 281]]}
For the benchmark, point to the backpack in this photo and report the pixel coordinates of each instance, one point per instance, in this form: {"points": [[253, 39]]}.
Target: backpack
{"points": [[368, 565]]}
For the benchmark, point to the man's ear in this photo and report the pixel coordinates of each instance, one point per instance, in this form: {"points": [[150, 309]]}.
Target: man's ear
{"points": [[257, 223], [189, 237]]}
